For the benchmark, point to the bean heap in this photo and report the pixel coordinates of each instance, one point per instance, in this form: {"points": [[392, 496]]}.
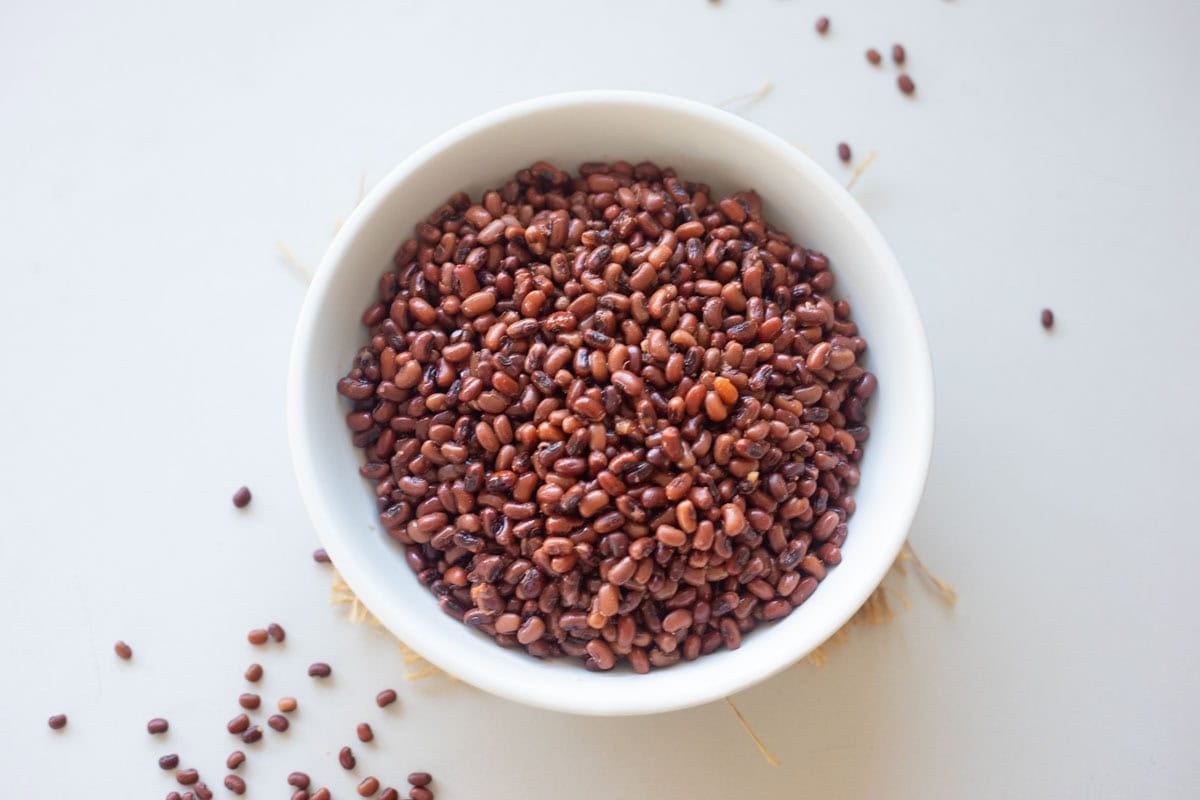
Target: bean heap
{"points": [[611, 416]]}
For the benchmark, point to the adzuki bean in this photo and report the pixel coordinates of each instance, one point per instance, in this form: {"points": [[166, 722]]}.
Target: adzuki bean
{"points": [[617, 416]]}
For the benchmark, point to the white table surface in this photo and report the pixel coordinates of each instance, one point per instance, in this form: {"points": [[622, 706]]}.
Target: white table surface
{"points": [[150, 156]]}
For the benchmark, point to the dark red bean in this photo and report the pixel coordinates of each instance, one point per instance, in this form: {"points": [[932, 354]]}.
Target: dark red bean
{"points": [[235, 759], [420, 793], [235, 784], [822, 25], [158, 725], [123, 651], [254, 673], [843, 151], [389, 794], [202, 791], [276, 632], [320, 670], [368, 787], [898, 54], [278, 722], [257, 636], [420, 778], [58, 722], [320, 794], [249, 701], [365, 734], [238, 724], [1047, 318], [346, 758], [298, 779], [385, 698], [874, 57], [187, 777], [241, 498], [906, 84], [320, 556], [253, 735]]}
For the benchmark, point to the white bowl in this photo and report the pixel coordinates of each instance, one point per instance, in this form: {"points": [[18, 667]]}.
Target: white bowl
{"points": [[704, 144]]}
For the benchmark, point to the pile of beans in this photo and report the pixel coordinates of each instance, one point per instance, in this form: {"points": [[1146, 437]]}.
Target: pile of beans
{"points": [[612, 416]]}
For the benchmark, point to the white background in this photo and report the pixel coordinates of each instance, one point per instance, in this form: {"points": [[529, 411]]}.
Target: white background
{"points": [[150, 156]]}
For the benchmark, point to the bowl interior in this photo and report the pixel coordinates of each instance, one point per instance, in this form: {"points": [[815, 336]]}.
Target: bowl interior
{"points": [[703, 144]]}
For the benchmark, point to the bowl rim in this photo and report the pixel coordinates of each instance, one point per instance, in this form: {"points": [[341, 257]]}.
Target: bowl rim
{"points": [[919, 377]]}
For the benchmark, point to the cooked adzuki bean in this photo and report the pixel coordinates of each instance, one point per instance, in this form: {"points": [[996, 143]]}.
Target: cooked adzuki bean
{"points": [[616, 416]]}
